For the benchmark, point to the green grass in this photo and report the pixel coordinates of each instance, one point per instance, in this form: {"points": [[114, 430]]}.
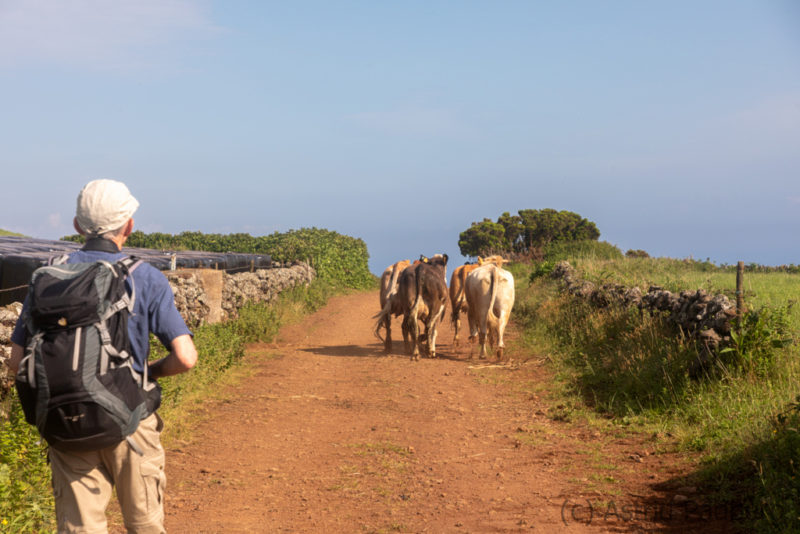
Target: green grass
{"points": [[633, 368], [6, 232]]}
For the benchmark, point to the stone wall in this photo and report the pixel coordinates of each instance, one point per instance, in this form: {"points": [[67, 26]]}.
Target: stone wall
{"points": [[707, 318], [195, 302], [262, 285], [193, 298]]}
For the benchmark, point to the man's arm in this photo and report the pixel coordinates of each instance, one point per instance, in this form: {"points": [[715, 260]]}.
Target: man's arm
{"points": [[17, 352], [181, 358]]}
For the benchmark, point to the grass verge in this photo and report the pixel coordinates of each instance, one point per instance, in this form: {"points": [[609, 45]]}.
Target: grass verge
{"points": [[741, 419]]}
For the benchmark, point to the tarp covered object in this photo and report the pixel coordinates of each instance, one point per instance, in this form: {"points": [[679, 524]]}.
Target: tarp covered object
{"points": [[19, 256]]}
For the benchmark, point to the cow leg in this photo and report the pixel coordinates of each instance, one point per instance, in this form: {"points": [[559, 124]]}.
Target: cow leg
{"points": [[483, 334], [414, 327], [501, 328], [482, 343], [491, 335], [456, 323], [387, 343], [406, 335], [473, 327], [432, 331]]}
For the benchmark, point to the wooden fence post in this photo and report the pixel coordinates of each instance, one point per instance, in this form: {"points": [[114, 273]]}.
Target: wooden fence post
{"points": [[739, 293]]}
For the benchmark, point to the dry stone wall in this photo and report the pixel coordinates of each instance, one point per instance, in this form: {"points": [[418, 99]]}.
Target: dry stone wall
{"points": [[195, 305], [8, 318], [706, 317], [191, 299], [262, 285]]}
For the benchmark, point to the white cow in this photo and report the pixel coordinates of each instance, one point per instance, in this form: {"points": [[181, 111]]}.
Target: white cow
{"points": [[490, 297]]}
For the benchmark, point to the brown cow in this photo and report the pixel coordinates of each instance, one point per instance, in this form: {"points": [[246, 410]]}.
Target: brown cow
{"points": [[430, 301], [387, 296], [458, 299], [420, 289]]}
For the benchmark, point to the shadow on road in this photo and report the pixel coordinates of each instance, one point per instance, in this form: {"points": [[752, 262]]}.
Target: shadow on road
{"points": [[374, 350], [353, 351]]}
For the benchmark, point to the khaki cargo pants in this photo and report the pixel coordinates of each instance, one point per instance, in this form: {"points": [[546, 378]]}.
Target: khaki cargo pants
{"points": [[83, 481]]}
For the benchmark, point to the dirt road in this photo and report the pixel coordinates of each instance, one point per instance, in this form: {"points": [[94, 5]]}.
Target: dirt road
{"points": [[330, 435]]}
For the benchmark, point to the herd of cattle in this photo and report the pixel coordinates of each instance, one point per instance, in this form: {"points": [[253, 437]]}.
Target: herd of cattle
{"points": [[418, 291]]}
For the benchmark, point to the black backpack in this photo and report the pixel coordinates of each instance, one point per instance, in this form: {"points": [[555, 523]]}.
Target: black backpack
{"points": [[76, 381]]}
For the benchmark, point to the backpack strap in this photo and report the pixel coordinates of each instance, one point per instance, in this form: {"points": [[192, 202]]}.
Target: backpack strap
{"points": [[130, 264], [58, 260]]}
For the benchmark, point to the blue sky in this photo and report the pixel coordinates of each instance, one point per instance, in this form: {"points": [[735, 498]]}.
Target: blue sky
{"points": [[674, 125]]}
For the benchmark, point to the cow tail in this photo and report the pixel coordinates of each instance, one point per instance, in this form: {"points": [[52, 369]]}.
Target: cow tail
{"points": [[380, 317], [418, 286], [393, 280], [462, 276], [493, 288]]}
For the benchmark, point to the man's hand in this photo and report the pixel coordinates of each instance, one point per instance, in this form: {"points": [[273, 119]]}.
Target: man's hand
{"points": [[181, 358]]}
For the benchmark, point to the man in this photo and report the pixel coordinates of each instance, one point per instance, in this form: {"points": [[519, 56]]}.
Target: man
{"points": [[83, 481]]}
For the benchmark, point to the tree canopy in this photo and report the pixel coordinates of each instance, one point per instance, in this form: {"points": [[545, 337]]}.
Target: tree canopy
{"points": [[524, 233]]}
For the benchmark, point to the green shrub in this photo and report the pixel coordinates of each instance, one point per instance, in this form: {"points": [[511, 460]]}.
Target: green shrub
{"points": [[339, 259], [637, 253], [754, 342], [540, 269]]}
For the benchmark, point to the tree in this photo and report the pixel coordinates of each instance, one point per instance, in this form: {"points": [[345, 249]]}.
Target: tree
{"points": [[546, 226], [514, 230], [483, 239], [526, 233]]}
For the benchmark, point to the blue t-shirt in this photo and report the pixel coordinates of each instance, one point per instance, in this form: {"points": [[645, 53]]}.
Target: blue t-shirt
{"points": [[153, 311]]}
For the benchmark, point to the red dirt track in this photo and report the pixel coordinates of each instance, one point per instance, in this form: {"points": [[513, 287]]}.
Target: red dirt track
{"points": [[330, 435]]}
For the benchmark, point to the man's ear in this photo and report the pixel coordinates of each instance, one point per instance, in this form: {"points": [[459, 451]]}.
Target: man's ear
{"points": [[128, 227], [77, 226]]}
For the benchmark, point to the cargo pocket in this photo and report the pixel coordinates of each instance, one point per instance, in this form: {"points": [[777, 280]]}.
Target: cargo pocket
{"points": [[155, 482]]}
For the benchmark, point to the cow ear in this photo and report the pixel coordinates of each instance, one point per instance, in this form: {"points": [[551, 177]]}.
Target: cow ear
{"points": [[445, 258], [480, 260], [423, 258]]}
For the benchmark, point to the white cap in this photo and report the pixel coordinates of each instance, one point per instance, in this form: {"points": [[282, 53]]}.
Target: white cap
{"points": [[104, 205]]}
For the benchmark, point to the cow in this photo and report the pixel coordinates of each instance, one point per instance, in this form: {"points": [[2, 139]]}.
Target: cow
{"points": [[387, 297], [490, 297], [458, 300], [421, 296]]}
